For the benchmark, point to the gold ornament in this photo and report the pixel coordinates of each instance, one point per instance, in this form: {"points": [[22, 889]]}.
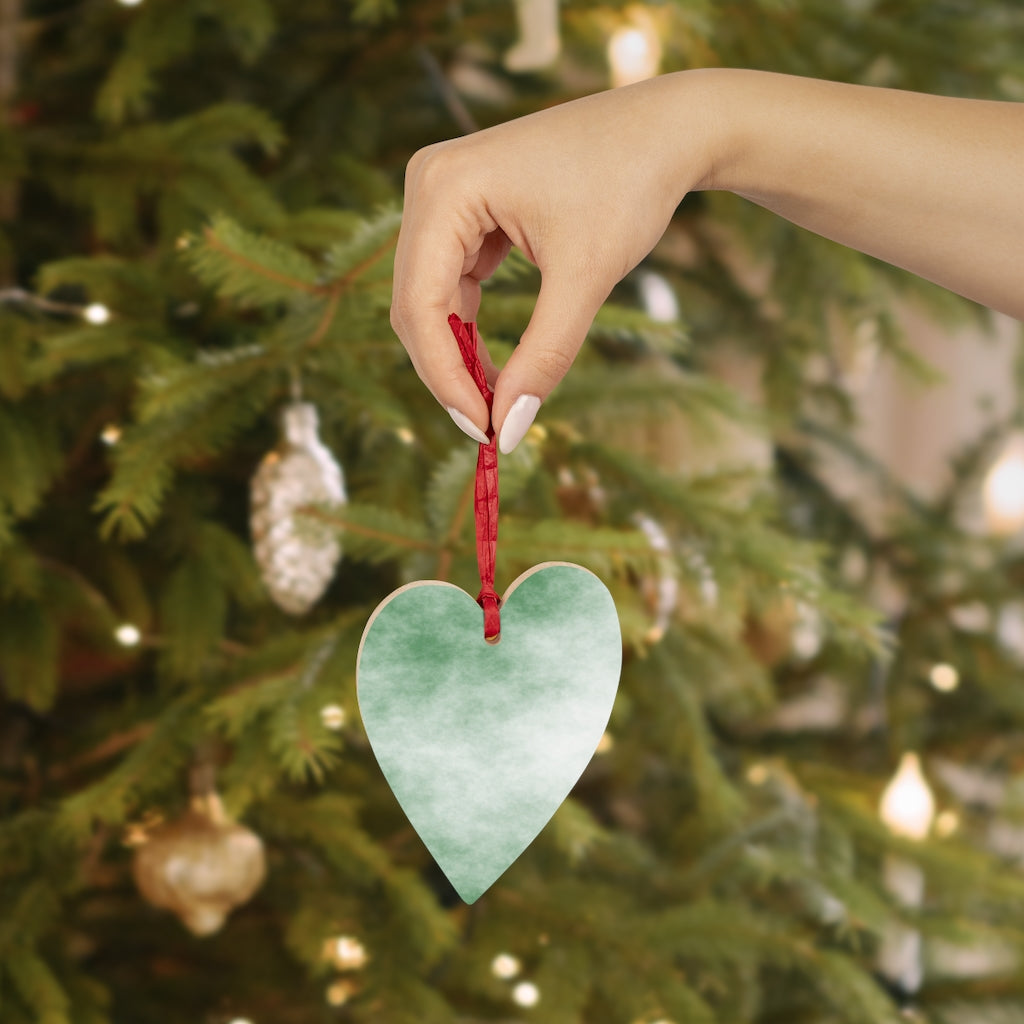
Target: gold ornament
{"points": [[201, 866], [296, 556]]}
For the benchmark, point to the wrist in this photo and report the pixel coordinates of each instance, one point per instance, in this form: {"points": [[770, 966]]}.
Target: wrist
{"points": [[721, 99]]}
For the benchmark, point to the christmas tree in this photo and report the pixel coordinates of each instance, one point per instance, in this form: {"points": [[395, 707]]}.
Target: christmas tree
{"points": [[215, 460]]}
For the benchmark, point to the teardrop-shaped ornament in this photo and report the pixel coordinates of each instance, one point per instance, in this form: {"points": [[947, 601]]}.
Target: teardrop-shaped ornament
{"points": [[297, 555]]}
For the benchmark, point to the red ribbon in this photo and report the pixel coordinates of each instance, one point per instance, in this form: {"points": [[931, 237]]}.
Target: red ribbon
{"points": [[485, 492]]}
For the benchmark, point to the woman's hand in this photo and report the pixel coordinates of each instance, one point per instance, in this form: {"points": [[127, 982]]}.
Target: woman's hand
{"points": [[584, 189]]}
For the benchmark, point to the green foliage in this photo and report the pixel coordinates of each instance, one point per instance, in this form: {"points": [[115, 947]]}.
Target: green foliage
{"points": [[223, 176], [28, 654], [250, 269]]}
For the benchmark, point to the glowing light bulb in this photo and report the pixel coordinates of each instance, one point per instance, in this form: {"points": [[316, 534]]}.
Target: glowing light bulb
{"points": [[96, 313], [907, 805], [1003, 491], [526, 994], [110, 434], [127, 635], [634, 53], [129, 3], [347, 953], [944, 678], [337, 994], [332, 716], [505, 966]]}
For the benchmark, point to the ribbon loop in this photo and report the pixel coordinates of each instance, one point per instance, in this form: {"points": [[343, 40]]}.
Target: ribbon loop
{"points": [[485, 491]]}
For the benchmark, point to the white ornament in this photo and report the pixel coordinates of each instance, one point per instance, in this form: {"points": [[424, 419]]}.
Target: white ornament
{"points": [[296, 555], [658, 298], [662, 593], [539, 40]]}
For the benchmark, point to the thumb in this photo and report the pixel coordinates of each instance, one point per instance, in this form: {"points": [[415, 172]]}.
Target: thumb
{"points": [[561, 318]]}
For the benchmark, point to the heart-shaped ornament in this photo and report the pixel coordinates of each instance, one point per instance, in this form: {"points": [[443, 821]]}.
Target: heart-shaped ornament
{"points": [[482, 742]]}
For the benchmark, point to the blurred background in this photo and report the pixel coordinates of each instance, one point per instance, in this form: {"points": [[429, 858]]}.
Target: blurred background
{"points": [[800, 472]]}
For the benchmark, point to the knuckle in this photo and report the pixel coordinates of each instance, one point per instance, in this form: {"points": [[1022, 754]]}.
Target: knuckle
{"points": [[554, 363], [428, 166]]}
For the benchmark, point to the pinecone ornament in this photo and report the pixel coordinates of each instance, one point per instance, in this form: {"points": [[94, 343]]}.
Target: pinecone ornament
{"points": [[296, 555], [200, 866]]}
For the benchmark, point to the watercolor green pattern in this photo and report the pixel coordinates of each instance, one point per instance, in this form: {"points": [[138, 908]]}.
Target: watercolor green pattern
{"points": [[481, 743]]}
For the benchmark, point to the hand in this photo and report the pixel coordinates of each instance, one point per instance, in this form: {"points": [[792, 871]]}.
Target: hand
{"points": [[929, 183], [584, 189]]}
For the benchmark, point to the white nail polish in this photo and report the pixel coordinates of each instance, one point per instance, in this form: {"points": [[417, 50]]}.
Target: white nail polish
{"points": [[517, 422], [467, 426]]}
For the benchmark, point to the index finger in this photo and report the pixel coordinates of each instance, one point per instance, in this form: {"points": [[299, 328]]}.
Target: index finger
{"points": [[433, 249]]}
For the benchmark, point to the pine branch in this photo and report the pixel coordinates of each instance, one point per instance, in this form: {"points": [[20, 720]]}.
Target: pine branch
{"points": [[352, 258], [606, 551], [148, 768], [38, 987], [254, 270], [373, 534]]}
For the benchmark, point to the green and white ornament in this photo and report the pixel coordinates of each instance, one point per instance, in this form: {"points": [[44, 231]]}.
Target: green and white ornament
{"points": [[482, 742]]}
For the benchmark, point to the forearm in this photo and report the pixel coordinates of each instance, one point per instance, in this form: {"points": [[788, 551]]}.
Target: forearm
{"points": [[929, 183]]}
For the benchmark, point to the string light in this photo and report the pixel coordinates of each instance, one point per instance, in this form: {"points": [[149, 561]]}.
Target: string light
{"points": [[110, 434], [505, 966], [346, 952], [907, 805], [634, 51], [129, 3], [526, 994], [1003, 490], [944, 678], [332, 716], [127, 635], [337, 994], [96, 313], [907, 808]]}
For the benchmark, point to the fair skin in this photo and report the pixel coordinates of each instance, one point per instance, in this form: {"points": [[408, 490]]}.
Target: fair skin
{"points": [[931, 184]]}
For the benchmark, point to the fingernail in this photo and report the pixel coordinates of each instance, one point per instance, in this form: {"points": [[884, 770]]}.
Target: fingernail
{"points": [[517, 422], [467, 426]]}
